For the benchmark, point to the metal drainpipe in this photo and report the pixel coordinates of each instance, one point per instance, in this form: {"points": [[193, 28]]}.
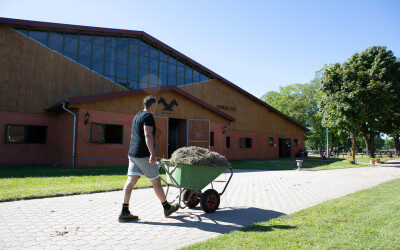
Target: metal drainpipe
{"points": [[73, 141]]}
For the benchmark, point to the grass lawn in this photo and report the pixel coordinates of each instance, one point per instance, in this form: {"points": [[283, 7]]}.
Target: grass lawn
{"points": [[23, 182], [308, 163], [368, 219]]}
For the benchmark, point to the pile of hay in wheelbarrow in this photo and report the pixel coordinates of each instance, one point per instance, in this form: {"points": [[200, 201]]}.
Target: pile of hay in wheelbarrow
{"points": [[200, 157]]}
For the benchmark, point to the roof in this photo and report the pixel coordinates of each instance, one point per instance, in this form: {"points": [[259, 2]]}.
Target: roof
{"points": [[155, 42], [98, 97]]}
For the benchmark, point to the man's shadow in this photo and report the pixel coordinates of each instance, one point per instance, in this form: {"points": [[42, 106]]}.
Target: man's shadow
{"points": [[223, 220]]}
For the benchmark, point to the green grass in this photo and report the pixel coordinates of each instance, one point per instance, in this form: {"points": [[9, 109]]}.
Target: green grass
{"points": [[308, 163], [366, 219], [26, 182]]}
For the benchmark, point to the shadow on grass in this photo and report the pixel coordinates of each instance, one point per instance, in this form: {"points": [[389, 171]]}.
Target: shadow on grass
{"points": [[261, 228], [282, 163], [51, 171], [222, 221]]}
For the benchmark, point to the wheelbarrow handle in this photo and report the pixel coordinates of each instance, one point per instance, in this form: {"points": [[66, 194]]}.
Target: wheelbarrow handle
{"points": [[226, 185]]}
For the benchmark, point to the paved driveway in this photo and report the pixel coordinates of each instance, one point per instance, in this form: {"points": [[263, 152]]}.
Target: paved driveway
{"points": [[90, 221]]}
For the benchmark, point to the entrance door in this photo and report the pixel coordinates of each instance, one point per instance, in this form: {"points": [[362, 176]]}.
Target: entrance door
{"points": [[198, 133], [176, 135], [285, 148]]}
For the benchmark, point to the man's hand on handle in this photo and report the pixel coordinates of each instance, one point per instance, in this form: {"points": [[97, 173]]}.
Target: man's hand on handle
{"points": [[152, 159]]}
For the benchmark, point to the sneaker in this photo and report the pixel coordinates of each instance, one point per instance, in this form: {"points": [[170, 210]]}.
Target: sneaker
{"points": [[127, 217], [173, 208]]}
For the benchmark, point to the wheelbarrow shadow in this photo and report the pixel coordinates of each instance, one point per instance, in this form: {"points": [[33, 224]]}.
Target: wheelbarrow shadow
{"points": [[223, 220]]}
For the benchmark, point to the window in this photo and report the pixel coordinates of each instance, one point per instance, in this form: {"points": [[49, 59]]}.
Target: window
{"points": [[296, 142], [106, 133], [228, 142], [245, 143], [211, 139], [26, 134], [103, 54], [271, 141]]}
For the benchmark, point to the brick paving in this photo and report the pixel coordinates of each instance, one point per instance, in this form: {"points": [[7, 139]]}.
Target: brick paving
{"points": [[90, 221]]}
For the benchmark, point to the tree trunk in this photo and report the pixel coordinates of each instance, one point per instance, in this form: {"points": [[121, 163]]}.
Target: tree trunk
{"points": [[353, 147], [396, 143], [370, 143]]}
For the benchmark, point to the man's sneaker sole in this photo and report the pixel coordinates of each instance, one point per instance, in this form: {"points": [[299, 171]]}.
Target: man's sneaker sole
{"points": [[173, 209]]}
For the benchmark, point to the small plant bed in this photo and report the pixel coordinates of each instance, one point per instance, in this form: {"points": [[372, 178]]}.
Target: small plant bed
{"points": [[368, 219], [27, 182], [308, 163]]}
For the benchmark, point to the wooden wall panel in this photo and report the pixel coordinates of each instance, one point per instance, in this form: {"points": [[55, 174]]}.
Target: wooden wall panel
{"points": [[161, 137], [199, 130], [186, 109], [33, 76], [250, 116]]}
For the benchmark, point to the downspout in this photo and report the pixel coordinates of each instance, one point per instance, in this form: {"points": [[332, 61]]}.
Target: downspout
{"points": [[73, 140]]}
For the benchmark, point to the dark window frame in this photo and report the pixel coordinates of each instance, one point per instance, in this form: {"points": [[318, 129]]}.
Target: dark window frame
{"points": [[295, 142], [211, 138], [245, 142], [25, 141], [228, 142], [104, 141], [271, 141]]}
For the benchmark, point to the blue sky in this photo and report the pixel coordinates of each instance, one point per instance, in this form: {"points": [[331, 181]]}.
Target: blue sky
{"points": [[258, 45]]}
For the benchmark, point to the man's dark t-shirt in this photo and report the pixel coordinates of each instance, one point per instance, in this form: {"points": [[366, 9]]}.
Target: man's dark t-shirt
{"points": [[138, 147]]}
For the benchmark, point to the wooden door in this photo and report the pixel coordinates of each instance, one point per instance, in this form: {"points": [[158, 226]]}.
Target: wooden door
{"points": [[198, 133]]}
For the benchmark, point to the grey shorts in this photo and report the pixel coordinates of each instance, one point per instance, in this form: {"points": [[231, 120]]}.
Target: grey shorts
{"points": [[140, 166]]}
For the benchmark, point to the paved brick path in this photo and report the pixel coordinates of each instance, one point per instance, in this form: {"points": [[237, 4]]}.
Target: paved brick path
{"points": [[90, 221]]}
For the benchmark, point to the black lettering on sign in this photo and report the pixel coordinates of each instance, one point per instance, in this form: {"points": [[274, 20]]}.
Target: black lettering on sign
{"points": [[228, 108]]}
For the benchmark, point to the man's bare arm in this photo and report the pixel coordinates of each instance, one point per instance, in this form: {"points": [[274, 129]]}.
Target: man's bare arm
{"points": [[148, 134]]}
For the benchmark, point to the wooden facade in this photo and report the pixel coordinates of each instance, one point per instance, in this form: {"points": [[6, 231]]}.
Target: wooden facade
{"points": [[250, 115], [33, 76]]}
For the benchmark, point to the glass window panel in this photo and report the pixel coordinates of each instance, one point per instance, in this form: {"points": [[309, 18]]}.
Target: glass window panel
{"points": [[98, 51], [72, 35], [187, 81], [72, 56], [111, 41], [121, 80], [171, 69], [144, 49], [98, 66], [153, 53], [180, 81], [109, 68], [179, 63], [15, 133], [153, 65], [144, 62], [153, 78], [133, 85], [133, 73], [85, 61], [203, 78], [196, 76], [40, 36], [122, 71], [163, 79], [71, 45], [98, 39], [122, 57], [181, 71], [143, 75], [110, 54], [86, 37], [188, 73], [134, 45], [133, 60], [25, 32], [171, 60], [112, 78], [56, 41], [123, 43], [142, 85], [171, 80], [163, 67], [163, 56], [85, 48]]}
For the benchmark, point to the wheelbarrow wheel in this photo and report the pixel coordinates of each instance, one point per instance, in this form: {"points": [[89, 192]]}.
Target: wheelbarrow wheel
{"points": [[194, 200], [210, 201]]}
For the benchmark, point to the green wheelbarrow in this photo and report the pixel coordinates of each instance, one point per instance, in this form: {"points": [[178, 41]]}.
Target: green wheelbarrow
{"points": [[191, 179]]}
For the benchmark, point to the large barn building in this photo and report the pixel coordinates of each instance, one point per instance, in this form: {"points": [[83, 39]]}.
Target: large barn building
{"points": [[69, 93]]}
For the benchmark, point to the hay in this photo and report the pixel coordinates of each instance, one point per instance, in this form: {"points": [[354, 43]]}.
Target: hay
{"points": [[200, 157]]}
